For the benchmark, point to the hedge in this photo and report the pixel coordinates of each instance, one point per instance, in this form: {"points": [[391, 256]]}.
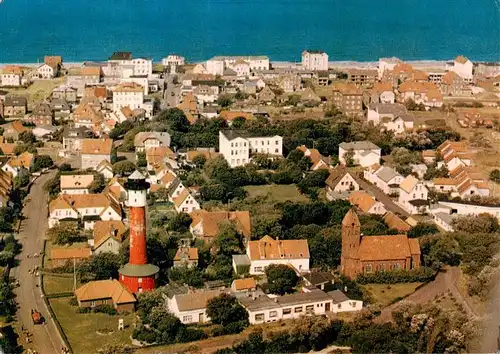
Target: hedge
{"points": [[421, 275]]}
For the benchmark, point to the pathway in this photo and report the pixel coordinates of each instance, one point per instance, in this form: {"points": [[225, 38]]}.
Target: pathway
{"points": [[382, 197]]}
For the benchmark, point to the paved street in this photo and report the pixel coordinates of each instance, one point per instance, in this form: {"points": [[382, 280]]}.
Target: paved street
{"points": [[46, 339], [172, 94]]}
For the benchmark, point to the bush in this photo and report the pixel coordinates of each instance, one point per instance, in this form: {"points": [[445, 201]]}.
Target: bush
{"points": [[422, 274], [188, 334], [83, 310], [73, 301], [107, 309]]}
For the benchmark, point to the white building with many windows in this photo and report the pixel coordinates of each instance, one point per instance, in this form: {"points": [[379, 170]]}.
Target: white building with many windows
{"points": [[315, 60], [128, 94], [216, 65], [237, 147]]}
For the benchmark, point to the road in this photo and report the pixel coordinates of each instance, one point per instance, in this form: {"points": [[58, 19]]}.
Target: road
{"points": [[382, 197], [491, 332], [46, 338], [169, 99]]}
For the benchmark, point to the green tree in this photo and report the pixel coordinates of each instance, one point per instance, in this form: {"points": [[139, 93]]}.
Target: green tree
{"points": [[199, 161], [224, 100], [281, 279], [495, 175], [147, 301], [21, 180], [180, 222], [238, 123], [191, 276], [104, 265], [64, 233], [98, 184], [225, 310], [175, 118], [422, 229], [65, 167], [41, 162], [141, 159], [27, 137], [349, 158], [476, 224], [123, 168], [293, 100]]}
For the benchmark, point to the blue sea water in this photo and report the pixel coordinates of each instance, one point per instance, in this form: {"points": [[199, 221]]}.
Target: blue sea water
{"points": [[361, 30]]}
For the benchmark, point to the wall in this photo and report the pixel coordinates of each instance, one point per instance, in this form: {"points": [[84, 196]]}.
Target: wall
{"points": [[301, 265]]}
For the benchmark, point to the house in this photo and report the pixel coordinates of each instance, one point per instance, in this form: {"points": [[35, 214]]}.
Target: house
{"points": [[467, 208], [364, 153], [243, 285], [42, 115], [206, 93], [453, 84], [104, 167], [61, 256], [116, 187], [238, 146], [487, 69], [12, 75], [15, 106], [105, 292], [189, 105], [463, 182], [45, 71], [426, 93], [318, 160], [45, 132], [385, 178], [386, 64], [318, 279], [348, 98], [191, 307], [13, 129], [124, 65], [5, 187], [61, 108], [155, 156], [94, 151], [72, 139], [463, 67], [289, 82], [378, 112], [314, 60], [76, 184], [218, 64], [186, 256], [185, 202], [87, 208], [108, 236], [206, 225], [173, 60], [266, 95], [382, 93], [366, 203], [340, 181], [364, 78], [395, 222], [147, 140], [55, 62], [368, 254], [230, 116], [413, 195], [128, 94], [18, 165], [65, 92], [455, 154], [84, 76], [89, 115], [267, 251]]}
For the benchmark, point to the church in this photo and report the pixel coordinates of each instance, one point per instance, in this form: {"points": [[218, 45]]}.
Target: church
{"points": [[367, 254]]}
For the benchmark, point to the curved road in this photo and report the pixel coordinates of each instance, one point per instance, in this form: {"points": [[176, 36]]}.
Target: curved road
{"points": [[46, 338]]}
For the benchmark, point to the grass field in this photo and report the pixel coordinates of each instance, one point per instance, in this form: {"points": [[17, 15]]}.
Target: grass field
{"points": [[277, 193], [57, 284], [385, 294], [38, 91], [80, 328]]}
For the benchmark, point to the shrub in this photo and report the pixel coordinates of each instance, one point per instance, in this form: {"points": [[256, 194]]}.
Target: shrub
{"points": [[73, 301], [107, 309], [422, 274], [83, 310]]}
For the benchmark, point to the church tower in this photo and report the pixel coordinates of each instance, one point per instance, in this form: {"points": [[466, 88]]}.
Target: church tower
{"points": [[351, 239]]}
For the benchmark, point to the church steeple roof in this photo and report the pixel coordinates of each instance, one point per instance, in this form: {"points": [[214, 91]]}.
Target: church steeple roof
{"points": [[351, 219]]}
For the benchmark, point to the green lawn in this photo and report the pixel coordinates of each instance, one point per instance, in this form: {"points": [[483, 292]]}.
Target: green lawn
{"points": [[38, 91], [277, 193], [57, 284], [80, 328], [384, 294]]}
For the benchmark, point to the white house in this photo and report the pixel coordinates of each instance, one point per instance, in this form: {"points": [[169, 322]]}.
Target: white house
{"points": [[266, 251], [340, 181], [76, 184], [191, 307], [464, 208], [381, 112], [108, 236], [146, 140], [237, 146], [315, 60], [11, 76], [45, 71], [463, 67], [173, 59], [216, 65], [185, 202], [85, 207], [365, 153], [104, 167], [413, 195], [94, 151], [386, 64], [385, 178], [128, 94]]}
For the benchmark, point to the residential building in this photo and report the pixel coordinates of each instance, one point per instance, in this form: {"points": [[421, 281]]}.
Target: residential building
{"points": [[85, 207], [15, 106], [5, 187], [380, 112], [84, 76], [243, 285], [12, 75], [45, 71], [191, 307], [426, 93], [453, 84], [129, 95], [13, 129], [366, 203], [314, 60], [19, 165], [185, 202], [189, 105], [173, 59], [61, 108], [186, 256], [206, 94], [267, 251], [230, 116], [385, 178], [364, 78], [108, 236], [382, 93], [45, 132], [386, 64], [413, 195], [42, 115], [364, 153], [216, 65], [368, 254], [289, 82], [340, 181], [72, 139], [94, 151], [124, 65], [487, 69], [237, 147], [348, 98], [76, 184], [396, 223], [455, 154], [156, 156], [467, 208], [55, 62], [206, 225], [463, 67], [147, 140], [463, 182], [65, 92], [319, 279], [318, 161], [63, 256], [105, 292], [104, 168]]}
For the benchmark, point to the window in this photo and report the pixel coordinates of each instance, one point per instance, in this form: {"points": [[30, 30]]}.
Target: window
{"points": [[259, 317], [310, 309], [298, 309], [139, 280], [368, 268], [395, 266], [287, 311], [187, 318], [339, 306], [258, 269], [262, 142], [276, 151], [232, 144], [273, 314]]}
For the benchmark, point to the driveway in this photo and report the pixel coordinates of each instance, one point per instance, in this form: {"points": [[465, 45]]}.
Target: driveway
{"points": [[382, 197], [46, 338]]}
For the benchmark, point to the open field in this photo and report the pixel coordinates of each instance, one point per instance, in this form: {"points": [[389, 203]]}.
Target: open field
{"points": [[55, 284], [80, 328], [277, 193], [38, 91], [384, 294]]}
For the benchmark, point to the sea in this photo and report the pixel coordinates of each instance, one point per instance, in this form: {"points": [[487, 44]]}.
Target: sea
{"points": [[348, 30]]}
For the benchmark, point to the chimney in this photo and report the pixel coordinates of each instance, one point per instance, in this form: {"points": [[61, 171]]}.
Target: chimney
{"points": [[275, 300]]}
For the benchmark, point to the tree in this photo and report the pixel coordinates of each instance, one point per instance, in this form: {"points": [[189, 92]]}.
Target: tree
{"points": [[476, 224], [21, 180], [147, 301], [180, 222], [41, 162], [281, 279], [225, 100], [141, 159], [294, 100], [495, 175], [422, 229], [104, 265], [199, 161], [191, 276], [238, 123], [123, 168], [349, 158], [97, 184], [64, 233], [225, 310], [65, 167], [27, 137], [175, 118]]}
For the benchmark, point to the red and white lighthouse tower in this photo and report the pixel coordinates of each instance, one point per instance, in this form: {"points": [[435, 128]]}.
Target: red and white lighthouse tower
{"points": [[137, 275]]}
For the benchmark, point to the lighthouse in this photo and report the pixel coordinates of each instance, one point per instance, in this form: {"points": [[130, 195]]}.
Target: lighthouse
{"points": [[137, 275]]}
